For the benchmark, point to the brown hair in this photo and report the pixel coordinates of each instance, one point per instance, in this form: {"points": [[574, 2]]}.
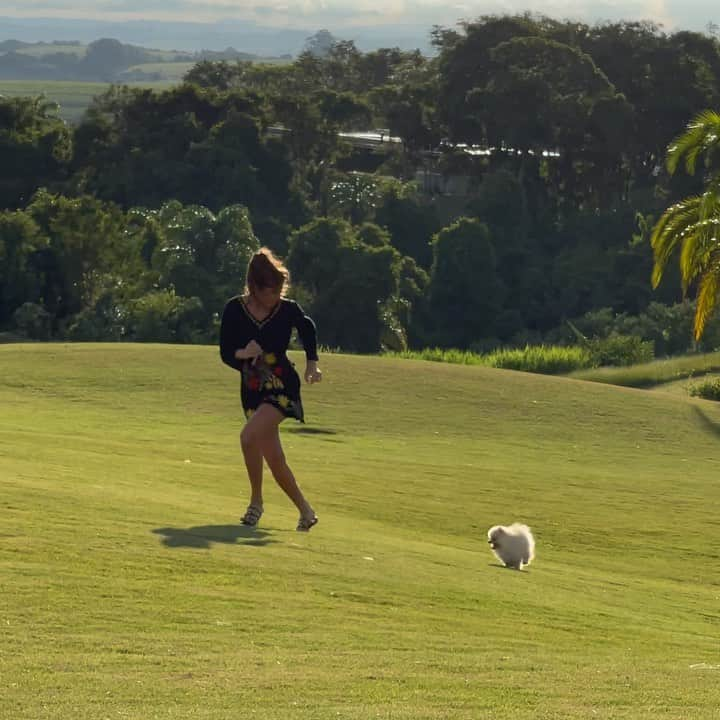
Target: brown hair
{"points": [[266, 271]]}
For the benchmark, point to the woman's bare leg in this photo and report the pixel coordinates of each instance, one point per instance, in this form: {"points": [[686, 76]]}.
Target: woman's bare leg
{"points": [[275, 458], [261, 424]]}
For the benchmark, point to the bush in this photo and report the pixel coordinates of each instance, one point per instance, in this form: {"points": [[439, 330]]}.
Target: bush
{"points": [[620, 350], [33, 321], [708, 389], [163, 316], [545, 359], [106, 320], [669, 327]]}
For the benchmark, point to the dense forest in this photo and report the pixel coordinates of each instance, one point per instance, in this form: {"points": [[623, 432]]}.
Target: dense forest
{"points": [[511, 199]]}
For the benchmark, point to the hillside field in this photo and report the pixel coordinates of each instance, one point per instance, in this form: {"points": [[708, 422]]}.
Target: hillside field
{"points": [[129, 589], [72, 97]]}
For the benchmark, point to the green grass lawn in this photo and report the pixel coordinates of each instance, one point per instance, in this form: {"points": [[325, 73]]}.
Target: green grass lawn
{"points": [[130, 591]]}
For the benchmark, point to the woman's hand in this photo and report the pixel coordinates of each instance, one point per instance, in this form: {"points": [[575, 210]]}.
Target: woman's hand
{"points": [[312, 372], [251, 351]]}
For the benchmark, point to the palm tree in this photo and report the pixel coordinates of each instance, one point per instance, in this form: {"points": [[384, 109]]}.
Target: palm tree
{"points": [[693, 224]]}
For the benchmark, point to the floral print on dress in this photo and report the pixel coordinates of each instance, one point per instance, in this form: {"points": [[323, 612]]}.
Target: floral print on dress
{"points": [[273, 380]]}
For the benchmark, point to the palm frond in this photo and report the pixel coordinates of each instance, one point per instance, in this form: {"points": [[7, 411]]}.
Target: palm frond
{"points": [[708, 293], [701, 136], [710, 199], [668, 233], [697, 243], [674, 220], [700, 240]]}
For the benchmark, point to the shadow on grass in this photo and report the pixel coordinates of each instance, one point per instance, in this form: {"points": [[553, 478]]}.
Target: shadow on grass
{"points": [[305, 430], [203, 536], [708, 424], [505, 567]]}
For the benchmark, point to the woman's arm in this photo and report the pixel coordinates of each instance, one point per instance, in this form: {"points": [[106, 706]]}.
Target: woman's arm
{"points": [[307, 332], [230, 340], [308, 336]]}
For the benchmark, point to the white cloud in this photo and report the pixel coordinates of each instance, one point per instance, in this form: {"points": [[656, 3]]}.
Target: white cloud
{"points": [[670, 13]]}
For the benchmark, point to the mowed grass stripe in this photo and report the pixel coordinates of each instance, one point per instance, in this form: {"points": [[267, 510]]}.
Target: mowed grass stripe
{"points": [[130, 590]]}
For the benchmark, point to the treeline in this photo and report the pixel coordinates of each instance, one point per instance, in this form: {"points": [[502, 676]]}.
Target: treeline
{"points": [[137, 222]]}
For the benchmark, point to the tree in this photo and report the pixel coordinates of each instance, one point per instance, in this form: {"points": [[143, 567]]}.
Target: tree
{"points": [[354, 196], [464, 63], [163, 316], [20, 240], [218, 74], [545, 95], [105, 58], [313, 122], [407, 105], [244, 75], [320, 43], [86, 250], [35, 147], [200, 146], [666, 78], [465, 291], [202, 255], [346, 281], [387, 66], [693, 224], [410, 218]]}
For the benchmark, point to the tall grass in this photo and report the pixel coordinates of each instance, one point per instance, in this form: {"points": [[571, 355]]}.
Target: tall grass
{"points": [[654, 373], [545, 359], [578, 362], [707, 389]]}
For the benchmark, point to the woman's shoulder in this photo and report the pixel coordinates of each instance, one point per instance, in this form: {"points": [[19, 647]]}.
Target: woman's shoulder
{"points": [[234, 303], [294, 309], [289, 304]]}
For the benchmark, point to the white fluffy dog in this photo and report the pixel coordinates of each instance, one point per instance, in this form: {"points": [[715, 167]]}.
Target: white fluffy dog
{"points": [[513, 545]]}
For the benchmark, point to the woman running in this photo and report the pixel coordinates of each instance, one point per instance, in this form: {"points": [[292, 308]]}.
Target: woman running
{"points": [[254, 336]]}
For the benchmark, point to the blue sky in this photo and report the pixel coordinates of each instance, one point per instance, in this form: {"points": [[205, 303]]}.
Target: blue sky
{"points": [[672, 14]]}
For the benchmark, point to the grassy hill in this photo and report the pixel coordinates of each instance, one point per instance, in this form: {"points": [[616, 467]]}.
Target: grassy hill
{"points": [[129, 589], [43, 49]]}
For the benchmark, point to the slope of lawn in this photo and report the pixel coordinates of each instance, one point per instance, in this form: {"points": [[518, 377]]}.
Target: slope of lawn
{"points": [[130, 591], [655, 374]]}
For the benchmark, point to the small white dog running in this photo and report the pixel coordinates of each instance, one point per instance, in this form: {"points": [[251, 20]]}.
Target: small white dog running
{"points": [[513, 545]]}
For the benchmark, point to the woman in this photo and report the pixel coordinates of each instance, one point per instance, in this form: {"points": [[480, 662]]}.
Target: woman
{"points": [[254, 336]]}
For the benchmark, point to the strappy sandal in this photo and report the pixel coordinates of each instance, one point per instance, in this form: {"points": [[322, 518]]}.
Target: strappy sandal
{"points": [[252, 515], [305, 523]]}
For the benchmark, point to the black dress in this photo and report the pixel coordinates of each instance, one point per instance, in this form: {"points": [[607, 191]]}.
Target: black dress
{"points": [[272, 378]]}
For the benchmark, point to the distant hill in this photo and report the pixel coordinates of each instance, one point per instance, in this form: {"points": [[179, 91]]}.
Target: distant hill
{"points": [[246, 37], [12, 45], [105, 60]]}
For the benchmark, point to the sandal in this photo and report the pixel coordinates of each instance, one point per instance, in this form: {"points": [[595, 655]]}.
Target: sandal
{"points": [[252, 515], [305, 523]]}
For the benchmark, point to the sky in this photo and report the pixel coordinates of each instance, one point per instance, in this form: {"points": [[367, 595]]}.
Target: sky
{"points": [[336, 14]]}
